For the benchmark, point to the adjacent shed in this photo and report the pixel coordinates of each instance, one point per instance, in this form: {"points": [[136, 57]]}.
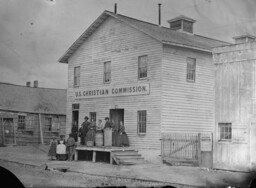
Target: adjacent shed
{"points": [[31, 114]]}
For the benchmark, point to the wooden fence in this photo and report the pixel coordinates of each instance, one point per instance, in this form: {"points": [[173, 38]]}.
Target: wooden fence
{"points": [[181, 148]]}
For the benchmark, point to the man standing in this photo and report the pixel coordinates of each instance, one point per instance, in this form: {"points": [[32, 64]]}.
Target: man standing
{"points": [[84, 129], [70, 147]]}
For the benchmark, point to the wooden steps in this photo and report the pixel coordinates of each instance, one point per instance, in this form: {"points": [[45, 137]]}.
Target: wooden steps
{"points": [[127, 157]]}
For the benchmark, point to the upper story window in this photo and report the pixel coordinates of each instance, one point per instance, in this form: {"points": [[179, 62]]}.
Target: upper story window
{"points": [[77, 76], [21, 122], [225, 131], [143, 66], [107, 72], [191, 69], [142, 121]]}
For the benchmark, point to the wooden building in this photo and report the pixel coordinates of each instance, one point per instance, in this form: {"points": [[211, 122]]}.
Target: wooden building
{"points": [[31, 115], [235, 95], [155, 79]]}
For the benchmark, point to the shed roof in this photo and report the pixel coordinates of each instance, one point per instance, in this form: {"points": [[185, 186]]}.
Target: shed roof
{"points": [[162, 34], [32, 100]]}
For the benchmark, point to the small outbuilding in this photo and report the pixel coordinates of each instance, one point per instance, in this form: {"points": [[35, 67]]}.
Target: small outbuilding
{"points": [[31, 115]]}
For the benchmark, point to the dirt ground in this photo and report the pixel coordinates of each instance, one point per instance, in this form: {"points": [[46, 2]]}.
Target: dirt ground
{"points": [[35, 177]]}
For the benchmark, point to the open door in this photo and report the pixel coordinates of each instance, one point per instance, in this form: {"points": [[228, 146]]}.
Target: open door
{"points": [[117, 115], [8, 131], [75, 123]]}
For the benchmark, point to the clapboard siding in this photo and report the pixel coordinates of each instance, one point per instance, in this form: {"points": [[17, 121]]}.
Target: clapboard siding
{"points": [[31, 133], [187, 107], [121, 44]]}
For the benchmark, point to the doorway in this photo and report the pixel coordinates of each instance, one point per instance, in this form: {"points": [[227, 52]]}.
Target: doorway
{"points": [[116, 115], [75, 123], [8, 131]]}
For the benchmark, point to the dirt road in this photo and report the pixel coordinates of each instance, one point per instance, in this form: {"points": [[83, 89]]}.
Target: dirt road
{"points": [[35, 177]]}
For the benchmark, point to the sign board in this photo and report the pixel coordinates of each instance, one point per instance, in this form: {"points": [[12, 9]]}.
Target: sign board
{"points": [[112, 91], [206, 142]]}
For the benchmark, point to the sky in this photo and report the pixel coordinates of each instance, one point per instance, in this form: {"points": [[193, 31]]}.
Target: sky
{"points": [[34, 34]]}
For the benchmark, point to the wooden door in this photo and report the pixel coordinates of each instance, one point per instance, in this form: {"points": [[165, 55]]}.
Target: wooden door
{"points": [[8, 131]]}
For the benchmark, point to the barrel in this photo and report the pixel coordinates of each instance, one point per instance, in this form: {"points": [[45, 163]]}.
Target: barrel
{"points": [[108, 137], [99, 139]]}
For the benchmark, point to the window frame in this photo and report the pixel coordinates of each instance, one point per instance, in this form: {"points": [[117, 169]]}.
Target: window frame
{"points": [[191, 70], [77, 76], [49, 127], [141, 124], [227, 127], [140, 67], [23, 127], [92, 114], [105, 72]]}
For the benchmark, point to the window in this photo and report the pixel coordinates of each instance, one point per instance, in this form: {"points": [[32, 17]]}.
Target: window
{"points": [[48, 123], [143, 67], [76, 76], [191, 69], [21, 122], [75, 107], [176, 25], [93, 116], [225, 131], [142, 118], [107, 72]]}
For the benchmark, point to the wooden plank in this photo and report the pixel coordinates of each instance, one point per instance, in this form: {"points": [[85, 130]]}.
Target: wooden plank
{"points": [[94, 156], [40, 127]]}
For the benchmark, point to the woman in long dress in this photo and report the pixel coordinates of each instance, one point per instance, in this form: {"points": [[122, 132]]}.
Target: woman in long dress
{"points": [[52, 150], [115, 130], [122, 136], [90, 136]]}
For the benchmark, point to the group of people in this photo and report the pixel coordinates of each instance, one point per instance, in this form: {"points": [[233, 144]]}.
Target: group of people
{"points": [[61, 149], [88, 130], [65, 150]]}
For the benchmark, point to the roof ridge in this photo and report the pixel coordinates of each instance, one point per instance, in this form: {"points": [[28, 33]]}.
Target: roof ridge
{"points": [[6, 83], [134, 19], [212, 39]]}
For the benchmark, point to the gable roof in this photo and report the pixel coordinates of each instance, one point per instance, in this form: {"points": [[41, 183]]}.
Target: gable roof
{"points": [[32, 100], [162, 34]]}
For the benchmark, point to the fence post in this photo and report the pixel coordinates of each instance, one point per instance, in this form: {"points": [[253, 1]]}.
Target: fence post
{"points": [[199, 150]]}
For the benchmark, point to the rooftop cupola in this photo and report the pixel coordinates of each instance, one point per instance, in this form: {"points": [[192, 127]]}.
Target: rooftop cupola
{"points": [[182, 23], [244, 39]]}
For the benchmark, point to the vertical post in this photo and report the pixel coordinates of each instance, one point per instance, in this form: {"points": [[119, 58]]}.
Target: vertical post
{"points": [[111, 157], [76, 154], [199, 150], [115, 10], [41, 130], [2, 123], [14, 132], [159, 14], [94, 156]]}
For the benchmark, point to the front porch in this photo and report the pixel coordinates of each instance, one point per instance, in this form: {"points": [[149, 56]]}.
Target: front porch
{"points": [[113, 155]]}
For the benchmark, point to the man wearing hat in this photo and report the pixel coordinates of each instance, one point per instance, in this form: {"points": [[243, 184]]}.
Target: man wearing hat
{"points": [[84, 129]]}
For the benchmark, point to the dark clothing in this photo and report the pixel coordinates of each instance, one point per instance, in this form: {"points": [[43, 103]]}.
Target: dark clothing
{"points": [[90, 136], [108, 125], [122, 139], [83, 131], [70, 148], [53, 147], [115, 130], [74, 131]]}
